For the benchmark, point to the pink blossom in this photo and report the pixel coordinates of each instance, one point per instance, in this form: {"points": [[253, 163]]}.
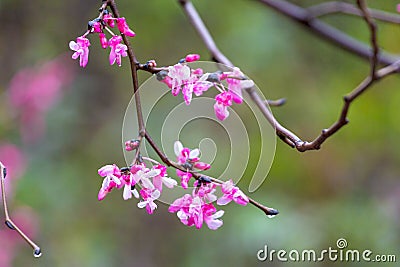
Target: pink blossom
{"points": [[232, 192], [236, 84], [185, 178], [178, 73], [168, 81], [107, 18], [205, 191], [192, 57], [162, 178], [112, 175], [189, 160], [142, 175], [96, 26], [34, 90], [124, 28], [223, 101], [131, 145], [211, 216], [118, 50], [193, 211], [149, 195], [103, 40], [81, 48]]}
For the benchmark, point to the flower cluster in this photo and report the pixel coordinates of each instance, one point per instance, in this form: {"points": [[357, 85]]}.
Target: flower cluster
{"points": [[181, 78], [104, 21], [197, 208], [147, 183], [150, 180]]}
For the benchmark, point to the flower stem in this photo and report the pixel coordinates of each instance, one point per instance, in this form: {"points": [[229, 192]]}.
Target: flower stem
{"points": [[10, 224]]}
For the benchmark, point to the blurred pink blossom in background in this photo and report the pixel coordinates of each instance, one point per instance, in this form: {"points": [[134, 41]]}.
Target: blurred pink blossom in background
{"points": [[34, 90]]}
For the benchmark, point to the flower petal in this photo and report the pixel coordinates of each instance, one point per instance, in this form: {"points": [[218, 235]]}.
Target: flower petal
{"points": [[194, 153], [178, 147]]}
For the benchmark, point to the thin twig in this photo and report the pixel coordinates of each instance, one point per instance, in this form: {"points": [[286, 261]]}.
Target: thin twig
{"points": [[342, 40], [374, 39], [333, 7], [133, 64], [8, 221], [305, 18], [276, 103], [196, 175], [142, 130]]}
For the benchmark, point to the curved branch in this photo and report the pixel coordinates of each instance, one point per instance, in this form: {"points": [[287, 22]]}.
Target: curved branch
{"points": [[333, 7], [301, 15], [306, 18]]}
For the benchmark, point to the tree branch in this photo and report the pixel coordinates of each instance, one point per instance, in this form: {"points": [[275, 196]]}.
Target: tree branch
{"points": [[8, 221], [268, 211], [306, 18], [333, 7]]}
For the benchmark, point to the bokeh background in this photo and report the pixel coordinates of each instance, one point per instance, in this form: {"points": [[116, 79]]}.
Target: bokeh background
{"points": [[60, 123]]}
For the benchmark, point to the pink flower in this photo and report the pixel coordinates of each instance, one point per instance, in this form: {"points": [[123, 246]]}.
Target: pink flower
{"points": [[107, 18], [223, 101], [205, 191], [103, 40], [129, 185], [149, 195], [118, 50], [178, 73], [34, 90], [112, 175], [192, 57], [211, 216], [232, 192], [235, 85], [189, 160], [131, 145], [193, 211], [162, 178], [124, 28], [185, 178], [81, 48], [142, 175], [95, 26]]}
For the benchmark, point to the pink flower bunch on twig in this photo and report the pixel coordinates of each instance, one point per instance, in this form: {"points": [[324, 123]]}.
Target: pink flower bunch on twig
{"points": [[181, 78], [104, 21]]}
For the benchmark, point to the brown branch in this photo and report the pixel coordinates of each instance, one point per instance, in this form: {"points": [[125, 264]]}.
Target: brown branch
{"points": [[374, 39], [306, 19], [301, 15], [276, 103], [268, 211], [333, 7], [8, 221], [135, 65]]}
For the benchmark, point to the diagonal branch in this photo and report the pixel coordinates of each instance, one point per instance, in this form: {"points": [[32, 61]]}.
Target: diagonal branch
{"points": [[268, 211], [374, 39], [306, 19], [9, 222], [333, 7], [301, 15], [135, 66]]}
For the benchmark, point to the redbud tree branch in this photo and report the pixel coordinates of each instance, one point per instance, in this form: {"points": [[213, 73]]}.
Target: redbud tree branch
{"points": [[8, 221], [329, 8], [306, 18], [135, 66]]}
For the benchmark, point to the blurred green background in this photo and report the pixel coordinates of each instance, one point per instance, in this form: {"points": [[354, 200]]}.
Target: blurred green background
{"points": [[349, 189]]}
